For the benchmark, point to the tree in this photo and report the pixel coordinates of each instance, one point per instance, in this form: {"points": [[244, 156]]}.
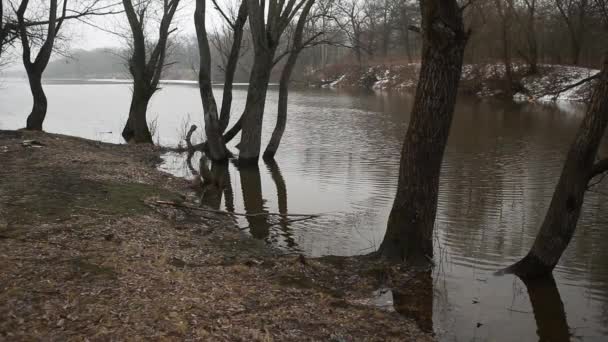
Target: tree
{"points": [[35, 69], [237, 25], [579, 169], [531, 56], [505, 11], [410, 225], [31, 33], [215, 145], [146, 64], [574, 13], [295, 49], [266, 35]]}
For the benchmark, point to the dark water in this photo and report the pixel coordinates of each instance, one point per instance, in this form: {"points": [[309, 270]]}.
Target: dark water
{"points": [[339, 158]]}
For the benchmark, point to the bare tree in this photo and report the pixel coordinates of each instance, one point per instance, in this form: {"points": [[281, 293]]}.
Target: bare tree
{"points": [[295, 49], [146, 64], [237, 26], [266, 35], [574, 13], [31, 33], [531, 56], [410, 225]]}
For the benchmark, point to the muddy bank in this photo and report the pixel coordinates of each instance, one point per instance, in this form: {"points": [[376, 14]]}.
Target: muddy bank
{"points": [[481, 80], [85, 252]]}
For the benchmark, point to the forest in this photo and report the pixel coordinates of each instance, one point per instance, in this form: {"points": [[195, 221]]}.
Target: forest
{"points": [[398, 124]]}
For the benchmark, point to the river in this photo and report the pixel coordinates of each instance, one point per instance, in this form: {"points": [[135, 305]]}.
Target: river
{"points": [[339, 158]]}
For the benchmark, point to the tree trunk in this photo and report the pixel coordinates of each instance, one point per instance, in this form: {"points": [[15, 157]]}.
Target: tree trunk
{"points": [[410, 225], [277, 133], [36, 117], [251, 136], [279, 129], [532, 41], [565, 208], [231, 66], [506, 14], [136, 129], [215, 145]]}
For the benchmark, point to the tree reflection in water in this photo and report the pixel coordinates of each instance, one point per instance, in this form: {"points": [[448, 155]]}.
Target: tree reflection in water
{"points": [[549, 313], [216, 186]]}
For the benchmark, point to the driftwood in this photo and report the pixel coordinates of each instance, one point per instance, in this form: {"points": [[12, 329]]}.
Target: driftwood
{"points": [[181, 205]]}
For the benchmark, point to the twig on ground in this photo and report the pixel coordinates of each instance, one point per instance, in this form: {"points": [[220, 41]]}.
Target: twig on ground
{"points": [[232, 213]]}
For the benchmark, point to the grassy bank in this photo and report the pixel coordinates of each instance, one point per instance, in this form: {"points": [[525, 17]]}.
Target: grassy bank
{"points": [[86, 252]]}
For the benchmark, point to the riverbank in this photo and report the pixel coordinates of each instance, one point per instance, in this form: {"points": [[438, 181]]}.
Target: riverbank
{"points": [[87, 252], [482, 80]]}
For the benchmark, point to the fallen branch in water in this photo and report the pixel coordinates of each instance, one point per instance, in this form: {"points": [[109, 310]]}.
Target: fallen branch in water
{"points": [[181, 205], [574, 85]]}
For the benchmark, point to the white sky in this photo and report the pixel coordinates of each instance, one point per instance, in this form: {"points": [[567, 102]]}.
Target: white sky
{"points": [[83, 36]]}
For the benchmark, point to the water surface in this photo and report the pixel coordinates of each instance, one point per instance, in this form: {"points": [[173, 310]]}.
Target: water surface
{"points": [[339, 158]]}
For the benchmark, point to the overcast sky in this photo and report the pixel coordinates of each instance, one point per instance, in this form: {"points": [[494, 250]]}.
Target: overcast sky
{"points": [[87, 37]]}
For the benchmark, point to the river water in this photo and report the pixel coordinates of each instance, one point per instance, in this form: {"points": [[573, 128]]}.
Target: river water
{"points": [[339, 158]]}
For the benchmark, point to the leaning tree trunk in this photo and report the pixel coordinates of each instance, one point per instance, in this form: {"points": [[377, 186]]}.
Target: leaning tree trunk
{"points": [[565, 208], [251, 135], [136, 129], [231, 66], [215, 144], [36, 117], [279, 129], [410, 225]]}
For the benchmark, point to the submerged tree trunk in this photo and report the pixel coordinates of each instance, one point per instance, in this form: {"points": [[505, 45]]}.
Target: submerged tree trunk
{"points": [[410, 225], [279, 129], [565, 208], [251, 135], [38, 113]]}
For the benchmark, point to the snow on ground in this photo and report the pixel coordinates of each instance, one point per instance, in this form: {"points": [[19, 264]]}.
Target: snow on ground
{"points": [[555, 78], [483, 80]]}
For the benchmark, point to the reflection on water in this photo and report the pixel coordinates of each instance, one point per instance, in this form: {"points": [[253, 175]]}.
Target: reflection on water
{"points": [[549, 312], [339, 158]]}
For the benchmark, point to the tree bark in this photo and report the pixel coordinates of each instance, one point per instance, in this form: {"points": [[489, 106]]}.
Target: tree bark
{"points": [[562, 216], [410, 225], [38, 113], [136, 129], [251, 135]]}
